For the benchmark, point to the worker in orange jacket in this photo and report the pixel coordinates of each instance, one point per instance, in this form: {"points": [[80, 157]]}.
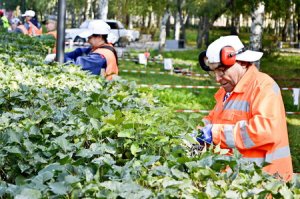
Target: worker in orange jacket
{"points": [[51, 26], [101, 57], [32, 30], [249, 114]]}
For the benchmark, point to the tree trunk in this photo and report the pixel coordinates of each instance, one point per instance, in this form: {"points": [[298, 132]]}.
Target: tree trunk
{"points": [[129, 21], [88, 9], [299, 30], [162, 36], [73, 17], [284, 32], [168, 28], [177, 27], [291, 25], [205, 25], [203, 29], [95, 8], [257, 16], [103, 9], [277, 28], [234, 19], [149, 20]]}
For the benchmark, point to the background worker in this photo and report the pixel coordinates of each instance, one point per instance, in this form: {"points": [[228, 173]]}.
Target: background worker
{"points": [[51, 26], [249, 114], [4, 24], [34, 20], [14, 23], [17, 26], [101, 57], [32, 30]]}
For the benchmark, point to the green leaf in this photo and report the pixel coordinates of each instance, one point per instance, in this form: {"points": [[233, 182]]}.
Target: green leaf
{"points": [[63, 143], [93, 111], [232, 194], [286, 192], [274, 186], [212, 190], [179, 174], [126, 133], [58, 188], [167, 182], [14, 137], [95, 123], [135, 148], [148, 160], [29, 194], [71, 179]]}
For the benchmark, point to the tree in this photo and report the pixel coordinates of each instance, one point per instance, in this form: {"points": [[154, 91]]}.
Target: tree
{"points": [[208, 11], [103, 9], [162, 36], [257, 16]]}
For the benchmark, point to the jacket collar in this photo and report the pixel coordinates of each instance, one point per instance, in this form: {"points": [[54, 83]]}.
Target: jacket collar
{"points": [[246, 79]]}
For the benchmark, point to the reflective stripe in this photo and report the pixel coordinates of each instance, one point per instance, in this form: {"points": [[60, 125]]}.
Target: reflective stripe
{"points": [[276, 88], [283, 152], [248, 143], [228, 132], [237, 105], [278, 154]]}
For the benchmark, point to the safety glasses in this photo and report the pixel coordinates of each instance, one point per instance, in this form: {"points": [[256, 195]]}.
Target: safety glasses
{"points": [[220, 71]]}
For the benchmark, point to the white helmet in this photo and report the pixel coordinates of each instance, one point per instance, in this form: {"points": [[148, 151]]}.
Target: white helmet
{"points": [[29, 13], [97, 27]]}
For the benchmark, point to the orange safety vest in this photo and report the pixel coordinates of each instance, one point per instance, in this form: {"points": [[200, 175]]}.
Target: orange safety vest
{"points": [[253, 121], [33, 30], [54, 34], [23, 29], [111, 62]]}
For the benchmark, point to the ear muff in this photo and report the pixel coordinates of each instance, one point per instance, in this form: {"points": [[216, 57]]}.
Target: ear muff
{"points": [[201, 59], [227, 56]]}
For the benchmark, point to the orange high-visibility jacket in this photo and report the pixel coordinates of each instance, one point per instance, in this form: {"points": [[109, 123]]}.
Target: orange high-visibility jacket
{"points": [[253, 121], [111, 62], [33, 30], [54, 34], [23, 29]]}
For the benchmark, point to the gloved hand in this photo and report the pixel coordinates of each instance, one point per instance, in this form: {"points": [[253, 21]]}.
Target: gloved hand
{"points": [[49, 58], [205, 135]]}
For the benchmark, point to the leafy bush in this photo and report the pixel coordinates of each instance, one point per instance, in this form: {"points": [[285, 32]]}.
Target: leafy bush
{"points": [[65, 133]]}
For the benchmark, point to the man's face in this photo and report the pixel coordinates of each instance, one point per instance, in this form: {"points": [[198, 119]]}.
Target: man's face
{"points": [[50, 25], [28, 18], [227, 77], [95, 40]]}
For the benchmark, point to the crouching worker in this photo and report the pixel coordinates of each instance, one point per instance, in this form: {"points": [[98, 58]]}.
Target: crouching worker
{"points": [[101, 57], [249, 114]]}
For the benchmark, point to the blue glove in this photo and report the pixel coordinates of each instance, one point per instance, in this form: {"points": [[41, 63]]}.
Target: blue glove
{"points": [[205, 135]]}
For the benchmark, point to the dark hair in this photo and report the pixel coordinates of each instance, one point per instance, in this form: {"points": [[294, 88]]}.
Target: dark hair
{"points": [[104, 37]]}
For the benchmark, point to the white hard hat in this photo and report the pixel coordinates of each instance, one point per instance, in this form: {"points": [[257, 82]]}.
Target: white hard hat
{"points": [[214, 49], [29, 13], [97, 27]]}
